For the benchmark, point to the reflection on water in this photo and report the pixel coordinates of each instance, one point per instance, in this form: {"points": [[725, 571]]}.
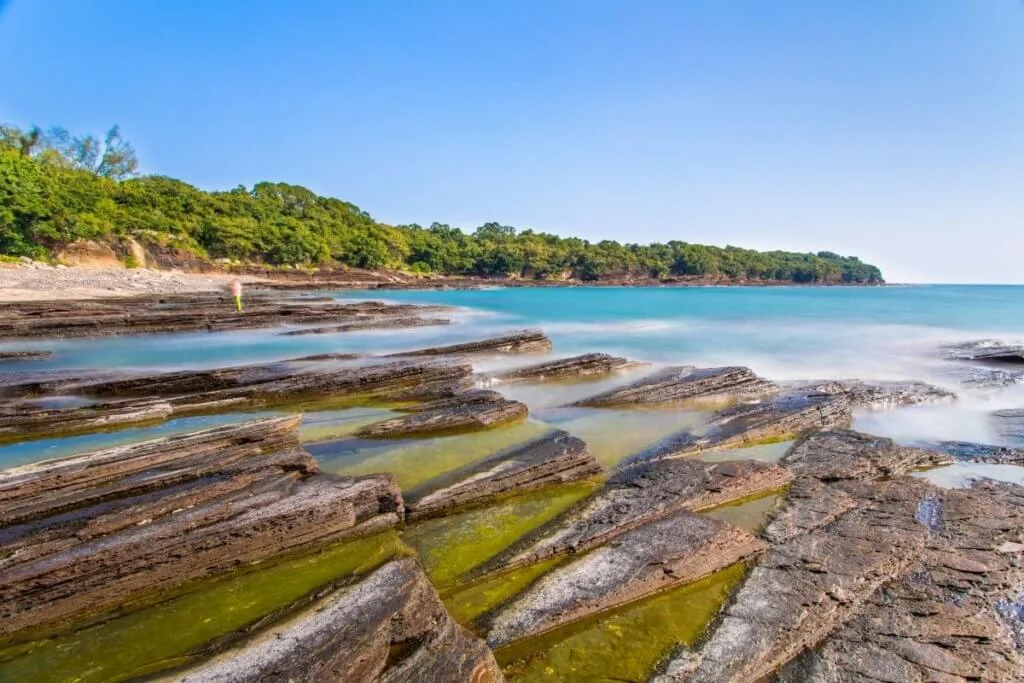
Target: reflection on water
{"points": [[542, 395], [165, 634], [415, 461], [962, 473], [468, 603], [334, 424], [625, 644], [451, 546]]}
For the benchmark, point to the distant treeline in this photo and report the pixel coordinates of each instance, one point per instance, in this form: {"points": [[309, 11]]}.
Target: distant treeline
{"points": [[56, 189]]}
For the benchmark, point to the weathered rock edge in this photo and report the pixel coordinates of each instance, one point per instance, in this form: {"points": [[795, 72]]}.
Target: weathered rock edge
{"points": [[684, 383], [391, 627]]}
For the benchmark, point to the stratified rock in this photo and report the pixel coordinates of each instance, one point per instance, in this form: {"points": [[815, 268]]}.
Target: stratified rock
{"points": [[1009, 424], [578, 366], [640, 494], [6, 356], [677, 549], [808, 586], [844, 454], [958, 615], [966, 451], [526, 341], [468, 411], [683, 383], [783, 416], [20, 420], [987, 377], [883, 395], [149, 315], [90, 532], [555, 458], [371, 324], [987, 351], [391, 627]]}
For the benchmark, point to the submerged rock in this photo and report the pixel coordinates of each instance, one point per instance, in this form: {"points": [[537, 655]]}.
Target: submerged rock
{"points": [[641, 494], [90, 532], [1009, 424], [525, 341], [967, 451], [555, 458], [987, 377], [987, 351], [813, 583], [677, 549], [578, 366], [682, 383], [389, 627], [845, 454], [467, 411]]}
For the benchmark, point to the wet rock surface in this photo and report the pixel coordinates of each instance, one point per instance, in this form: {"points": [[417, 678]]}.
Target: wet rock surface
{"points": [[586, 365], [555, 458], [882, 395], [684, 383], [677, 549], [967, 451], [642, 494], [987, 351], [86, 533], [382, 323], [469, 411], [783, 416], [8, 356], [389, 627], [844, 454], [21, 420], [525, 341], [806, 587]]}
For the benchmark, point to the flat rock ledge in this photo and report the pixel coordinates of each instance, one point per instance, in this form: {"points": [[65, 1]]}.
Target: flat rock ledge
{"points": [[194, 313], [555, 458], [86, 533], [7, 356], [783, 416], [638, 495], [161, 397], [882, 395], [586, 365], [683, 383], [391, 627], [525, 341], [986, 351], [677, 549], [845, 454], [464, 412], [382, 323]]}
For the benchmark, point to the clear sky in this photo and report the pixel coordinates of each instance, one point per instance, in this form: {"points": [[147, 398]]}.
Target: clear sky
{"points": [[890, 129]]}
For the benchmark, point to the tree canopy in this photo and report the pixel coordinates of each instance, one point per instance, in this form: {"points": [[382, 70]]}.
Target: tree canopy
{"points": [[56, 188]]}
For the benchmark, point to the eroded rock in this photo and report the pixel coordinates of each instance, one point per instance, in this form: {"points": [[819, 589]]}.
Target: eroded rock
{"points": [[371, 324], [89, 532], [525, 341], [641, 494], [555, 458], [987, 351], [585, 365], [684, 383], [6, 356], [468, 411], [677, 549], [883, 395], [845, 454], [391, 627]]}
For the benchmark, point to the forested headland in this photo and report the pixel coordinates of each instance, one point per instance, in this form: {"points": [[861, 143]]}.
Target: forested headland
{"points": [[57, 189]]}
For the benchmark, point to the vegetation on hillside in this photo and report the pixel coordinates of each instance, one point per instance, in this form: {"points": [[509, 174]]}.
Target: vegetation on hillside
{"points": [[56, 189]]}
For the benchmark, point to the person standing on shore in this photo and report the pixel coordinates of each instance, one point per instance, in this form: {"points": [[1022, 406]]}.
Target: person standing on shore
{"points": [[236, 291]]}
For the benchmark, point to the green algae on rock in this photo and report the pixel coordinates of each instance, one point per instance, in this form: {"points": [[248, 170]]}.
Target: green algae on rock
{"points": [[626, 644], [452, 546], [181, 627]]}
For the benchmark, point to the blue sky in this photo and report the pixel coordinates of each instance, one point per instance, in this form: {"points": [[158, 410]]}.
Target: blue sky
{"points": [[890, 129]]}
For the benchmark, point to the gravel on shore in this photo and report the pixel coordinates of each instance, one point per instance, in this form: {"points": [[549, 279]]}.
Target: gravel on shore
{"points": [[40, 282]]}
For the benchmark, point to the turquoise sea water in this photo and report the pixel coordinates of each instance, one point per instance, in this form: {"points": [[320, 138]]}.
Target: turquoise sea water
{"points": [[784, 333]]}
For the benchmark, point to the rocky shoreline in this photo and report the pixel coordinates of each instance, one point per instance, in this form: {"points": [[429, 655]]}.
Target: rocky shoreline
{"points": [[860, 572]]}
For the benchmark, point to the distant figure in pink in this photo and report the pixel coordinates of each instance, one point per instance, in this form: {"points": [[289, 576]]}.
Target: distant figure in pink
{"points": [[236, 291]]}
